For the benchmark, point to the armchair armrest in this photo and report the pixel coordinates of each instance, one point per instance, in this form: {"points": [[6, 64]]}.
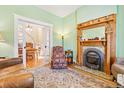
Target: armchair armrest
{"points": [[9, 62], [20, 80]]}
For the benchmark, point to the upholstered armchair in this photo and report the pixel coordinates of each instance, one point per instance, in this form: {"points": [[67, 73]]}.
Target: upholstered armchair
{"points": [[118, 67], [58, 58]]}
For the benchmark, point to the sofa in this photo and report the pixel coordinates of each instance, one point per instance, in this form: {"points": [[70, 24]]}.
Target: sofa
{"points": [[14, 75], [118, 67]]}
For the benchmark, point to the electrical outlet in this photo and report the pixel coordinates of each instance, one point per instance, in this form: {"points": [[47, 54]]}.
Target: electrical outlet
{"points": [[120, 79]]}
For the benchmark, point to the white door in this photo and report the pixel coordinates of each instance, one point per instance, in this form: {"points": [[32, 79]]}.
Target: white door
{"points": [[22, 42], [45, 42]]}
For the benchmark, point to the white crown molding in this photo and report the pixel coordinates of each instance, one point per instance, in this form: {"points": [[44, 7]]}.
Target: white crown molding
{"points": [[59, 10]]}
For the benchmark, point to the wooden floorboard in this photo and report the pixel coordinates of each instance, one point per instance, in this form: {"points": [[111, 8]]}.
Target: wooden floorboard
{"points": [[35, 63]]}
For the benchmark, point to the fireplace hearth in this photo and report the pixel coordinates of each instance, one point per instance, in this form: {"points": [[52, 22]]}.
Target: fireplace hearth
{"points": [[94, 59]]}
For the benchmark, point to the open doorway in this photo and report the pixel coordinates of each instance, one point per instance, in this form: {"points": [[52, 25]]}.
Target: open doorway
{"points": [[33, 41]]}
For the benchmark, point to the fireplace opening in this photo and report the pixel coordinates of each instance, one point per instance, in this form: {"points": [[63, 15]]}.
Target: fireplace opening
{"points": [[94, 59]]}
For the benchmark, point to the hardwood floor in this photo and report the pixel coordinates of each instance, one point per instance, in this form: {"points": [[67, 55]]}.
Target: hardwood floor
{"points": [[36, 62]]}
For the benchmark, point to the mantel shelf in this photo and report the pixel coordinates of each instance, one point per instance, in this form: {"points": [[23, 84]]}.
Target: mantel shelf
{"points": [[93, 41]]}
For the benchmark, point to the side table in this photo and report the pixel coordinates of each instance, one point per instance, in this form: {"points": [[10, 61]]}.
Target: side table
{"points": [[69, 56]]}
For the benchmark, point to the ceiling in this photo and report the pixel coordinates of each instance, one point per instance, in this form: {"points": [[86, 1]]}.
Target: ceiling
{"points": [[59, 10]]}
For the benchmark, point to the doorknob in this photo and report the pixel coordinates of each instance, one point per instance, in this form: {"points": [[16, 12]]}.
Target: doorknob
{"points": [[25, 47]]}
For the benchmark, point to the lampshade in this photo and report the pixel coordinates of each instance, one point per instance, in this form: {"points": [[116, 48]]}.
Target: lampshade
{"points": [[1, 38]]}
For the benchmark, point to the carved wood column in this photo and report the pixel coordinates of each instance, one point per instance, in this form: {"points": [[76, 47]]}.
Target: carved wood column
{"points": [[81, 57], [107, 48], [78, 47], [113, 39]]}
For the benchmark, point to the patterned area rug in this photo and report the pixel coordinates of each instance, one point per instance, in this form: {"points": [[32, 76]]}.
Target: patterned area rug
{"points": [[45, 77]]}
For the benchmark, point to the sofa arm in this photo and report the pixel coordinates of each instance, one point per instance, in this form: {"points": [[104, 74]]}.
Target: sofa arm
{"points": [[24, 80], [12, 69], [9, 62]]}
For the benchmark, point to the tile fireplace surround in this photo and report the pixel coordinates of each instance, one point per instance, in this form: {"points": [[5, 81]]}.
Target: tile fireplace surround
{"points": [[100, 48], [94, 72]]}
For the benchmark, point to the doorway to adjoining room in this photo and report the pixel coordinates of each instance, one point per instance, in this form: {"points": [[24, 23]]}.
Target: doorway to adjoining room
{"points": [[34, 42]]}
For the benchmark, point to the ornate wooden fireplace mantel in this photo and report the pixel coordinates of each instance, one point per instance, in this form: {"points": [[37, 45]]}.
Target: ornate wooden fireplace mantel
{"points": [[109, 44]]}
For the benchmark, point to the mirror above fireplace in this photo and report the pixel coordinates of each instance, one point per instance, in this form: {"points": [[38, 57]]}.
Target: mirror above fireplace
{"points": [[93, 33]]}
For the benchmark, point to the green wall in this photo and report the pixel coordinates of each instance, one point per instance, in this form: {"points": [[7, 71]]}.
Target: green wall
{"points": [[7, 24], [120, 31], [66, 25], [82, 14]]}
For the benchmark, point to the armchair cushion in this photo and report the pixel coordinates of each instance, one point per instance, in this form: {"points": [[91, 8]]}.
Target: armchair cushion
{"points": [[11, 69], [118, 67]]}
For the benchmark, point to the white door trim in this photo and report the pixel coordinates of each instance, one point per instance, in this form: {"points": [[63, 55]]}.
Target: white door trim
{"points": [[26, 19]]}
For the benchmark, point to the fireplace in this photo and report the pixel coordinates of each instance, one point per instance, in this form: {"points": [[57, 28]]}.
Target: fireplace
{"points": [[94, 59]]}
